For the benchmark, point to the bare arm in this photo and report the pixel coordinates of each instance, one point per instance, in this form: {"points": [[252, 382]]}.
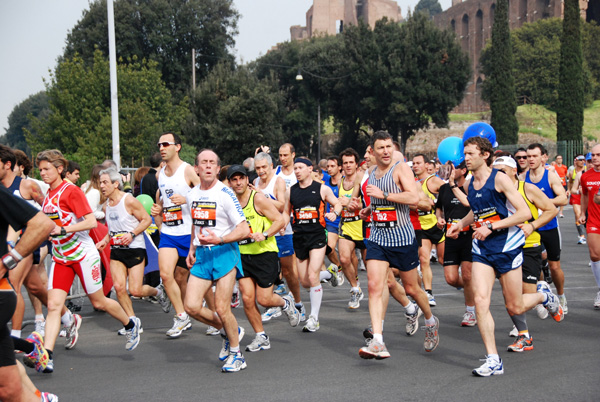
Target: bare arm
{"points": [[541, 202], [265, 207], [88, 222], [328, 196], [559, 190], [279, 202]]}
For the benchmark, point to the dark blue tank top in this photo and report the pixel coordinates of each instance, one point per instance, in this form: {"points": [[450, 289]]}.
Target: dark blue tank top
{"points": [[544, 185], [16, 186]]}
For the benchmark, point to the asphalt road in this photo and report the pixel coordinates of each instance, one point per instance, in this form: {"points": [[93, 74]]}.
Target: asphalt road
{"points": [[564, 365]]}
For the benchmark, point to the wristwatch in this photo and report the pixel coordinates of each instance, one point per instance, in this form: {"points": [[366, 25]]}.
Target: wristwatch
{"points": [[63, 231], [9, 261], [132, 235], [385, 195], [266, 235], [454, 186], [489, 225]]}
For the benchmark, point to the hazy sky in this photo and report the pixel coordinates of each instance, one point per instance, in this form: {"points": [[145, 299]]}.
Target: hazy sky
{"points": [[33, 35]]}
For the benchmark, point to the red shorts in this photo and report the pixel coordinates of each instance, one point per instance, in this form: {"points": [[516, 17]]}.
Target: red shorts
{"points": [[592, 227], [88, 270], [575, 199]]}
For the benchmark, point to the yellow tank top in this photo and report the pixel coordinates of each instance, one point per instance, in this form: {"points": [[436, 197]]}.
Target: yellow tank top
{"points": [[350, 223], [534, 239], [258, 224], [427, 218]]}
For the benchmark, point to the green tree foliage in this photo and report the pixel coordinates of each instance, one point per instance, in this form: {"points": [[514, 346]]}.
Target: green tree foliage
{"points": [[234, 112], [429, 7], [569, 113], [79, 122], [18, 121], [499, 85], [165, 31]]}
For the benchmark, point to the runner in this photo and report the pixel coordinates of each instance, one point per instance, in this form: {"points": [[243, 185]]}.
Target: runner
{"points": [[497, 248], [307, 202], [73, 253], [457, 257], [274, 187], [214, 256], [574, 176], [522, 165], [334, 170], [127, 220], [590, 214], [391, 188], [259, 257], [550, 184], [561, 171], [172, 214]]}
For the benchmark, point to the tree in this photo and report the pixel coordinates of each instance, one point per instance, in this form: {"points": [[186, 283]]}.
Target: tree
{"points": [[429, 7], [499, 85], [165, 31], [18, 121], [79, 122], [234, 112], [569, 113]]}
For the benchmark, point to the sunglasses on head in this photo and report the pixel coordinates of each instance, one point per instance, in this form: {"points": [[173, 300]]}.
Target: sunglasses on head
{"points": [[164, 144]]}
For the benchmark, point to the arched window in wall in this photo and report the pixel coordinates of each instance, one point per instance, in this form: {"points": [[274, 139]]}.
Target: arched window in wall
{"points": [[453, 25], [465, 33], [522, 12], [492, 13], [478, 32]]}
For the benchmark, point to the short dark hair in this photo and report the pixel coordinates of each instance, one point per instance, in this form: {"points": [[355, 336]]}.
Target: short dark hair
{"points": [[422, 156], [520, 150], [176, 138], [155, 160], [379, 135], [538, 146], [484, 145], [73, 166], [349, 152], [335, 158], [23, 160], [7, 155]]}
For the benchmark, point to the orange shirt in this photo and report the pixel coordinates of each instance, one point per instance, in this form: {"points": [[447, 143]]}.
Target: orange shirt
{"points": [[562, 173]]}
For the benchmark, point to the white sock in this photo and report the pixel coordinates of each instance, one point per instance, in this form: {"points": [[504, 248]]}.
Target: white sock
{"points": [[355, 289], [39, 317], [183, 315], [159, 292], [262, 333], [234, 350], [378, 338], [16, 333], [471, 309], [430, 322], [494, 357], [67, 319], [596, 271], [410, 308], [316, 295], [324, 275]]}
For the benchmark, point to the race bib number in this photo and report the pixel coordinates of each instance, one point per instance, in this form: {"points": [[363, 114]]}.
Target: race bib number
{"points": [[204, 213], [173, 215], [454, 221], [385, 217], [306, 215], [55, 218], [487, 217], [424, 213], [349, 216], [116, 240]]}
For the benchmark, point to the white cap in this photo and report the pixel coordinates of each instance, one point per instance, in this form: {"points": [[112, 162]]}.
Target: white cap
{"points": [[505, 160]]}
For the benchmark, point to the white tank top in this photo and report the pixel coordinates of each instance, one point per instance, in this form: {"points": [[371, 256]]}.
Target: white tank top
{"points": [[290, 179], [269, 191], [177, 220], [120, 222]]}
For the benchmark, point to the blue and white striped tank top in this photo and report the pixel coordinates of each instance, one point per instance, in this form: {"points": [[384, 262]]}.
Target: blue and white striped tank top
{"points": [[391, 221]]}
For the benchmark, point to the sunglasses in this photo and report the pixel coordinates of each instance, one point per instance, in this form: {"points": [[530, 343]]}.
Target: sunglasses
{"points": [[164, 144], [520, 157]]}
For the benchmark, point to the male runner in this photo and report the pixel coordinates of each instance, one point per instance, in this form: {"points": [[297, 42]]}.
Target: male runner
{"points": [[457, 254], [214, 256], [334, 169], [497, 247], [175, 180], [127, 220], [521, 159], [551, 185], [259, 257], [307, 202], [391, 188], [431, 233], [274, 187], [351, 227], [574, 180], [72, 174], [590, 214], [561, 171], [73, 253]]}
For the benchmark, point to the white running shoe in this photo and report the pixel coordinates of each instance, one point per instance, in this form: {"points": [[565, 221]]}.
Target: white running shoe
{"points": [[224, 353], [514, 332], [374, 350], [133, 335], [291, 311], [40, 327], [431, 299], [432, 337], [355, 298], [235, 299], [302, 311], [312, 325], [179, 325], [597, 301], [469, 319], [260, 342], [489, 368], [563, 303], [123, 331], [212, 331], [542, 313], [73, 332], [335, 277], [552, 303], [164, 300], [412, 321], [272, 312], [235, 362]]}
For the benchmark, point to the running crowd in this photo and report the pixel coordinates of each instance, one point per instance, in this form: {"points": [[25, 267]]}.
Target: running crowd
{"points": [[257, 227]]}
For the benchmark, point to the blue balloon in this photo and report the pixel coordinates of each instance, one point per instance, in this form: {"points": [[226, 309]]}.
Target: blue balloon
{"points": [[451, 149], [588, 156], [481, 129]]}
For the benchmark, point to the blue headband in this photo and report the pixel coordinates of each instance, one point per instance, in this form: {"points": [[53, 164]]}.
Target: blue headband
{"points": [[303, 160]]}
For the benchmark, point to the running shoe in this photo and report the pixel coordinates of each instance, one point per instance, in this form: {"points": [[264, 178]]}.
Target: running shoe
{"points": [[489, 368], [522, 344], [73, 332], [368, 333], [302, 312], [224, 353], [597, 301], [38, 358], [432, 338], [40, 327], [48, 397], [431, 299], [582, 240], [333, 270], [133, 335], [374, 350], [62, 333], [280, 289], [235, 299], [163, 299], [541, 312], [340, 277], [123, 331], [260, 342], [469, 319], [312, 325], [235, 362], [514, 332], [412, 321], [355, 298], [152, 299], [212, 331], [49, 367], [552, 303], [291, 311], [563, 303], [179, 325], [272, 312]]}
